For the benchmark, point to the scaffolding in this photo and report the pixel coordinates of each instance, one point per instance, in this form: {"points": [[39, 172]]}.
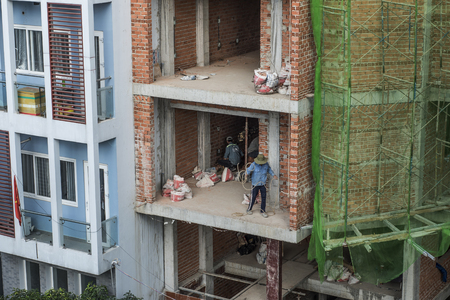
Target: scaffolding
{"points": [[381, 133]]}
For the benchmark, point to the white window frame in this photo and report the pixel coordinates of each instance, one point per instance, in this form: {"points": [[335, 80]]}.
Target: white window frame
{"points": [[28, 28], [48, 199]]}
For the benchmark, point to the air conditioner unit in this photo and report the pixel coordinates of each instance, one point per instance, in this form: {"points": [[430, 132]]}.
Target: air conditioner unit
{"points": [[27, 227]]}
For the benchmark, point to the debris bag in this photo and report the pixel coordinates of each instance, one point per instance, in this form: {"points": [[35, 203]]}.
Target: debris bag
{"points": [[184, 188], [345, 276], [261, 256], [199, 175], [188, 77], [213, 177], [177, 181], [196, 170], [166, 192], [188, 195], [176, 196], [227, 175], [168, 185], [272, 80], [260, 77], [335, 272], [246, 199], [264, 90], [354, 279], [205, 182]]}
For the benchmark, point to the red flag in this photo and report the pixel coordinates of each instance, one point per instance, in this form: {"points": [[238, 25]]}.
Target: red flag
{"points": [[17, 202]]}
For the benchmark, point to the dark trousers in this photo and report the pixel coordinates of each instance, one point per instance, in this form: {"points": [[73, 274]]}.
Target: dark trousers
{"points": [[226, 163], [255, 190]]}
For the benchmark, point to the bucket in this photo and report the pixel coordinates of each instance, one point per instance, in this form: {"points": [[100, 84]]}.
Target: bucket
{"points": [[176, 196], [177, 181]]}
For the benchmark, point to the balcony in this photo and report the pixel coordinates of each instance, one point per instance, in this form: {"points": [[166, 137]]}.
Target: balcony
{"points": [[37, 226], [110, 233], [76, 234], [3, 102], [30, 97], [105, 103]]}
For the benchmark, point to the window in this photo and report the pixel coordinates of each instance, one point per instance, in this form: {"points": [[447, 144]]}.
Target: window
{"points": [[33, 276], [85, 280], [60, 279], [28, 48], [36, 177]]}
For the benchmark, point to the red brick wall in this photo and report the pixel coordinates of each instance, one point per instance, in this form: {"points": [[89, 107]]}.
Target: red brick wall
{"points": [[297, 47], [188, 246], [141, 40], [185, 34], [303, 55], [144, 135], [238, 20], [224, 243], [284, 161], [430, 277], [228, 288], [186, 141]]}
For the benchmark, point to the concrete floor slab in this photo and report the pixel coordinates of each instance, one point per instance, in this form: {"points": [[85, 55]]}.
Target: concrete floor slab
{"points": [[221, 206], [231, 85]]}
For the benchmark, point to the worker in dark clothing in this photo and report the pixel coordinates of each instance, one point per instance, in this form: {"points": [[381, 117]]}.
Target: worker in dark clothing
{"points": [[232, 155]]}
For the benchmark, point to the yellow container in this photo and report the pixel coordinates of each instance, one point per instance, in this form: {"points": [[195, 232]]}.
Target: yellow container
{"points": [[31, 101]]}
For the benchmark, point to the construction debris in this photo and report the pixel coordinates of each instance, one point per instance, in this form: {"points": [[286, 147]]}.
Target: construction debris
{"points": [[268, 82], [177, 189]]}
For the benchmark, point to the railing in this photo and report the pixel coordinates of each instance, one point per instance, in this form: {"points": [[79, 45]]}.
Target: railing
{"points": [[109, 233], [76, 235], [3, 101], [37, 226], [31, 99], [105, 103]]}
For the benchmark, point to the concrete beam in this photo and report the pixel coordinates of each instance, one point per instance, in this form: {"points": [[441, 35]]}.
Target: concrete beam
{"points": [[202, 32], [220, 111], [229, 223], [274, 274], [171, 255], [204, 142], [248, 100], [206, 257], [274, 157], [168, 37]]}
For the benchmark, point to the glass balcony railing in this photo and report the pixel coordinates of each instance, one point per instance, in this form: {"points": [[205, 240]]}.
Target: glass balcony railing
{"points": [[3, 102], [105, 103], [77, 235], [31, 99], [37, 226], [109, 233]]}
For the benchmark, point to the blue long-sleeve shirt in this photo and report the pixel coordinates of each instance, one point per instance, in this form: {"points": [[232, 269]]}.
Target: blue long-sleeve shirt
{"points": [[233, 153], [259, 175]]}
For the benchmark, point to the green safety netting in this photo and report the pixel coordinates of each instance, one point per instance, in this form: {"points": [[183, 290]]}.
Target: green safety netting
{"points": [[381, 135]]}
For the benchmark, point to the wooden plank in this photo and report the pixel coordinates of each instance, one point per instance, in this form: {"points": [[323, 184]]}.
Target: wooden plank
{"points": [[424, 220]]}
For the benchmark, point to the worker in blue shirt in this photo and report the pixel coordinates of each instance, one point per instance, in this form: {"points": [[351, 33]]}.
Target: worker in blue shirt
{"points": [[232, 155], [260, 168]]}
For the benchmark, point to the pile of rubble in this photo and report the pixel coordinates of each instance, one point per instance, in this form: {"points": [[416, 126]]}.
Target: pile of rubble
{"points": [[268, 82]]}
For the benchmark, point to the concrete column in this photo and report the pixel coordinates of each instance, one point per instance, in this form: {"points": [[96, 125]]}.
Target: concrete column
{"points": [[411, 277], [206, 257], [73, 281], [46, 53], [171, 255], [273, 269], [202, 32], [45, 274], [274, 157], [277, 31], [55, 191], [169, 139], [168, 37], [204, 140], [93, 212], [9, 55], [10, 271]]}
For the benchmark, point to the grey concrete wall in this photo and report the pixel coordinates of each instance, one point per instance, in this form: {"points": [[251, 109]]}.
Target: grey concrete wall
{"points": [[10, 271]]}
